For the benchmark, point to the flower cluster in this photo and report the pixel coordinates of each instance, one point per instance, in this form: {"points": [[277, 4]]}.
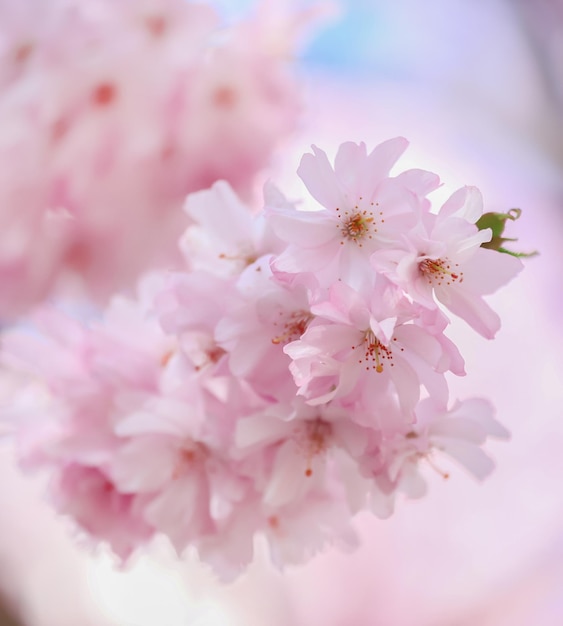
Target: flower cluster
{"points": [[111, 112], [291, 375]]}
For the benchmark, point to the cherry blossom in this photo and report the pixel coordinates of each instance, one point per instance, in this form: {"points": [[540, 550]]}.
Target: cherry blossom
{"points": [[362, 208], [442, 257], [172, 457], [88, 496], [356, 343], [459, 433], [295, 448], [226, 236], [113, 111]]}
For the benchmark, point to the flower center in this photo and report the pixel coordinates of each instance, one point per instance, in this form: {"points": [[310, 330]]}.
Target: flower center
{"points": [[245, 259], [294, 327], [357, 225], [165, 358], [156, 25], [440, 271], [23, 52], [375, 353], [190, 454], [104, 94], [213, 355], [314, 437], [224, 97]]}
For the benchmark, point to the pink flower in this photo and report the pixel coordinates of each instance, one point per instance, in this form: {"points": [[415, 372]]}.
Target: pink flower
{"points": [[370, 342], [172, 456], [362, 208], [226, 237], [458, 433], [302, 449], [111, 113], [294, 534], [297, 533], [189, 308], [442, 257], [241, 103], [88, 496], [264, 318]]}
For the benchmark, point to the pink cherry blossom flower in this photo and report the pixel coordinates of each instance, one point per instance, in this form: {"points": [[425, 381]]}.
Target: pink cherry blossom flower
{"points": [[300, 449], [297, 533], [264, 318], [88, 496], [171, 456], [293, 534], [442, 257], [111, 113], [458, 433], [362, 208], [242, 102], [226, 236], [358, 341], [189, 308], [86, 375]]}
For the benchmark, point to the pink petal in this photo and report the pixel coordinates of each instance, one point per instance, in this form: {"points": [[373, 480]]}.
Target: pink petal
{"points": [[260, 429], [288, 475], [379, 163], [466, 202], [418, 181], [471, 308], [172, 510], [487, 270], [420, 342], [470, 456], [220, 212], [297, 260], [464, 429], [344, 304], [350, 436], [349, 162], [319, 178], [407, 384], [480, 411], [381, 504], [411, 482], [143, 465], [326, 339], [309, 229]]}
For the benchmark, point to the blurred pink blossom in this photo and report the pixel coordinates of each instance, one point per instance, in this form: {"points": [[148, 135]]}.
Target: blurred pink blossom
{"points": [[241, 397], [111, 112]]}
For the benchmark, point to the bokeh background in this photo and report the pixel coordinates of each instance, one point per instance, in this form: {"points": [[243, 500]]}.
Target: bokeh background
{"points": [[477, 87]]}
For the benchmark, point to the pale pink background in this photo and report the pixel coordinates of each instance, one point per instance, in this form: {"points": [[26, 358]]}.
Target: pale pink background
{"points": [[477, 110]]}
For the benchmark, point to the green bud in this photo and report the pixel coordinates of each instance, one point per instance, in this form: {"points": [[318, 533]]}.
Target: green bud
{"points": [[497, 222]]}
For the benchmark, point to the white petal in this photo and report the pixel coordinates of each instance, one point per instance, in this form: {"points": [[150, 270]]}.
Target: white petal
{"points": [[288, 476], [317, 174], [143, 465], [466, 202], [471, 308], [487, 270], [260, 429], [470, 456]]}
